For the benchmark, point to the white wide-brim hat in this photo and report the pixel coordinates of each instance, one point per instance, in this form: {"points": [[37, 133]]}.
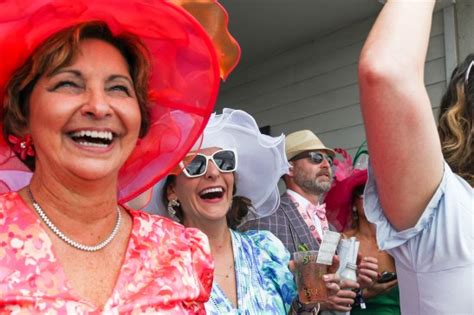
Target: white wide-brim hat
{"points": [[262, 161]]}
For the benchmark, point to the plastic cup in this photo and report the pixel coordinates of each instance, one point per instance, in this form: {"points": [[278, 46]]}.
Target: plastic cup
{"points": [[309, 277]]}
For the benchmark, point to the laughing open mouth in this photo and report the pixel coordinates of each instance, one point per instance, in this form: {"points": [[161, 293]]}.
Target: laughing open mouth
{"points": [[212, 193], [93, 138]]}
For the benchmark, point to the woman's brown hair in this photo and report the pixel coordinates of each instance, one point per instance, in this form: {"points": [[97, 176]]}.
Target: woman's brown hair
{"points": [[456, 121], [59, 51]]}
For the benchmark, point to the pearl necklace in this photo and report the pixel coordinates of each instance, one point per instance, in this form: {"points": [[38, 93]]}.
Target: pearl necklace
{"points": [[66, 239]]}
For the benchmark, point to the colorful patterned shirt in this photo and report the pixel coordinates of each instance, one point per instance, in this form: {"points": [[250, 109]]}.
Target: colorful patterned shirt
{"points": [[167, 268], [265, 285]]}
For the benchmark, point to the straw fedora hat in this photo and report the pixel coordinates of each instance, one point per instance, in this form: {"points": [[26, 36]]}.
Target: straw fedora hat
{"points": [[304, 140]]}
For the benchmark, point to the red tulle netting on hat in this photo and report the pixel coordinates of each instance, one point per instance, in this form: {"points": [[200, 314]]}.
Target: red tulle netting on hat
{"points": [[185, 74], [339, 199]]}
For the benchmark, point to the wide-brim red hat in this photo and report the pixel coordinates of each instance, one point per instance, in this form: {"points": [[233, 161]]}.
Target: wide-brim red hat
{"points": [[340, 197], [183, 86]]}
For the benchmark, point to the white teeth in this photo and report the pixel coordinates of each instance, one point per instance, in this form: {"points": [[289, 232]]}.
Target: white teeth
{"points": [[211, 190], [90, 144], [107, 135]]}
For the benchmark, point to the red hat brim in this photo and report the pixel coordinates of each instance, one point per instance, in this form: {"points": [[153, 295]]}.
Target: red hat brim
{"points": [[339, 199], [184, 82]]}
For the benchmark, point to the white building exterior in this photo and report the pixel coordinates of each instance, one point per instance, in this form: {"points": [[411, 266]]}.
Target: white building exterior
{"points": [[314, 86]]}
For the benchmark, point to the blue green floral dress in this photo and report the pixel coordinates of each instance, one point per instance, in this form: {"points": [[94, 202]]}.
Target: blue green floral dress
{"points": [[265, 285]]}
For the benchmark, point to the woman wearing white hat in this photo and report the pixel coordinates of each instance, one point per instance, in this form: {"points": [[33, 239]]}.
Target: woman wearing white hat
{"points": [[251, 269]]}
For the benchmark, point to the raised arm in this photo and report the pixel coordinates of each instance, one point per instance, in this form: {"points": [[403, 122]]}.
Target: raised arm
{"points": [[404, 146]]}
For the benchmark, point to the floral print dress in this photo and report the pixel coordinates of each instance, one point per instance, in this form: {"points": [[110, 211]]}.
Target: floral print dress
{"points": [[167, 268], [265, 285]]}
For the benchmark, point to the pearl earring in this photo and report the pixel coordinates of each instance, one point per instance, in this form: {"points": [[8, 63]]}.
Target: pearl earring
{"points": [[355, 215]]}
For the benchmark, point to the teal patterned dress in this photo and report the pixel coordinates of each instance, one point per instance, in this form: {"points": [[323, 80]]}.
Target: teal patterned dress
{"points": [[265, 285]]}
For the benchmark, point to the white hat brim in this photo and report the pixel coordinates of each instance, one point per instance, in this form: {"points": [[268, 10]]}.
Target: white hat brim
{"points": [[261, 160]]}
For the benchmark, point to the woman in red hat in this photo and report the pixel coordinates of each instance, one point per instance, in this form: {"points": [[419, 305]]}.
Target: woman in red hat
{"points": [[100, 100], [345, 204]]}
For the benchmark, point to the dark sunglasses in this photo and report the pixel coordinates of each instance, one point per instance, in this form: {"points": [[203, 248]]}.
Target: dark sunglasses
{"points": [[224, 160], [315, 157]]}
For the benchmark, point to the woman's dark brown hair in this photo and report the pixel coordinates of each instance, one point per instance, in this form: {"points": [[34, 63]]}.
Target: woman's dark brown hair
{"points": [[59, 51], [456, 121], [356, 193], [238, 210]]}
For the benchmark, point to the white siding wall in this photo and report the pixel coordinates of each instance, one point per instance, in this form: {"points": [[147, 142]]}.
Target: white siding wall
{"points": [[315, 86]]}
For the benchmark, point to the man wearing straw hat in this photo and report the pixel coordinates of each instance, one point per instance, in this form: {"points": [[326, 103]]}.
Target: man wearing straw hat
{"points": [[301, 217]]}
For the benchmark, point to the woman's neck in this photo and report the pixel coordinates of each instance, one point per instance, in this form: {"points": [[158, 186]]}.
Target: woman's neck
{"points": [[217, 232], [365, 228], [83, 211], [79, 200], [220, 242]]}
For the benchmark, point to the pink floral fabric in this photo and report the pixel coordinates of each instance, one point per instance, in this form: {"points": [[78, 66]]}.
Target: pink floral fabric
{"points": [[167, 269]]}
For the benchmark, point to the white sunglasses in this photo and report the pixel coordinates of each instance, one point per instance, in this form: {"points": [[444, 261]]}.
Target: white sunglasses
{"points": [[224, 160]]}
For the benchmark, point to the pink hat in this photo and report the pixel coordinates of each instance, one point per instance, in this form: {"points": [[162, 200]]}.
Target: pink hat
{"points": [[184, 79], [339, 199]]}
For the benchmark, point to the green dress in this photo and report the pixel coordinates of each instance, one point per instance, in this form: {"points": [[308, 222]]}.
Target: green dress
{"points": [[382, 304]]}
